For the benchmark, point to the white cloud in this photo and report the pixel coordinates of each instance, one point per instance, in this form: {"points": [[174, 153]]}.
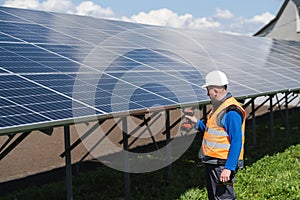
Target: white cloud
{"points": [[263, 18], [204, 23], [91, 9], [223, 14], [65, 6], [56, 5], [27, 4], [166, 17], [247, 26], [161, 17], [223, 20]]}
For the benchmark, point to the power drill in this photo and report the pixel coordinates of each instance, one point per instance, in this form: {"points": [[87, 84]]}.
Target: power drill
{"points": [[187, 126]]}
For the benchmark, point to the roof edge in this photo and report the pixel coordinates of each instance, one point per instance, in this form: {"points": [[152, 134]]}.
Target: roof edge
{"points": [[273, 20]]}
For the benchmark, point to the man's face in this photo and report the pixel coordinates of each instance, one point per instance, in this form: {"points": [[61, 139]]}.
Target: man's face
{"points": [[211, 92], [214, 92]]}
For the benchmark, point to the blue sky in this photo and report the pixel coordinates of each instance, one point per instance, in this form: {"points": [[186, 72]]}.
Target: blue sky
{"points": [[233, 16], [198, 8]]}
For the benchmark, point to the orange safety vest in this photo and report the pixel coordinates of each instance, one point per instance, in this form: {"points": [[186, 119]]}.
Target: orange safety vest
{"points": [[216, 141]]}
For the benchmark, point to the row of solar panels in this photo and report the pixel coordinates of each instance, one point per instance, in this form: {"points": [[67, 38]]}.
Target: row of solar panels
{"points": [[55, 68]]}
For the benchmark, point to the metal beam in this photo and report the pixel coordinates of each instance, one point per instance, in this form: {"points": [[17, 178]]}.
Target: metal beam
{"points": [[78, 141], [126, 158], [204, 113], [292, 98], [10, 137], [14, 144], [248, 103], [97, 143], [271, 118], [68, 163], [145, 121], [253, 121], [168, 140], [150, 132], [287, 127], [147, 128], [258, 107]]}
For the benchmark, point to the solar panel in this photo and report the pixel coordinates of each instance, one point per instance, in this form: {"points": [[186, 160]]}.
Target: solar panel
{"points": [[55, 68]]}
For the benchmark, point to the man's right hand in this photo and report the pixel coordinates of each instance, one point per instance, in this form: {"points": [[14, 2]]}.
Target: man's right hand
{"points": [[192, 119]]}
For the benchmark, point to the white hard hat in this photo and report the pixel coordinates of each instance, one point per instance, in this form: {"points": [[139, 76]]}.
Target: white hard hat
{"points": [[215, 78]]}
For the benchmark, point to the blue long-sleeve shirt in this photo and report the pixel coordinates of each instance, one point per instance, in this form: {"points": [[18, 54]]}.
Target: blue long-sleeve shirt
{"points": [[232, 123]]}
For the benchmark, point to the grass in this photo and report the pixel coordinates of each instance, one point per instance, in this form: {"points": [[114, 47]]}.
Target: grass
{"points": [[272, 172], [272, 177]]}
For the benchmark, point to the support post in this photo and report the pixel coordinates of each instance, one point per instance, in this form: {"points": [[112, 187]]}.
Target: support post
{"points": [[253, 122], [126, 158], [204, 113], [68, 163], [79, 140], [168, 140], [287, 127], [271, 118]]}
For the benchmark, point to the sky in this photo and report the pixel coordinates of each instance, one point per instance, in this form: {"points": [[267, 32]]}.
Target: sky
{"points": [[244, 17]]}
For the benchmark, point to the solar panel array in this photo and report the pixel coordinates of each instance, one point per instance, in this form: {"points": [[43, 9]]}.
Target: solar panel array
{"points": [[55, 68]]}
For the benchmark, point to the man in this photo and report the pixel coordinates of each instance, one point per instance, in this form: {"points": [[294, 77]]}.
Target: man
{"points": [[223, 140]]}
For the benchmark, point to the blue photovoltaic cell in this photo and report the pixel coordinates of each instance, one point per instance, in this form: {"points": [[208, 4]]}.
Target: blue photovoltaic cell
{"points": [[17, 31], [6, 38], [9, 17], [148, 99], [6, 103], [20, 97], [73, 53], [58, 67], [32, 59], [27, 118]]}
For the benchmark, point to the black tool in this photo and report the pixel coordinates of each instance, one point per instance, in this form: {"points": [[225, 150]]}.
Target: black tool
{"points": [[187, 126]]}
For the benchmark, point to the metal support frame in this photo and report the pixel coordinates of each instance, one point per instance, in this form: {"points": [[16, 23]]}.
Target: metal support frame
{"points": [[145, 122], [204, 112], [278, 102], [126, 158], [68, 163], [168, 140], [5, 149], [258, 107], [253, 121], [174, 124], [271, 118], [245, 105], [293, 98], [287, 126], [78, 141], [10, 137], [282, 102], [97, 143], [150, 132], [12, 145]]}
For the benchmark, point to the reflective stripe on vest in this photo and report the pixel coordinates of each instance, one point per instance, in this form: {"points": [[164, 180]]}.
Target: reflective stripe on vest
{"points": [[216, 141]]}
